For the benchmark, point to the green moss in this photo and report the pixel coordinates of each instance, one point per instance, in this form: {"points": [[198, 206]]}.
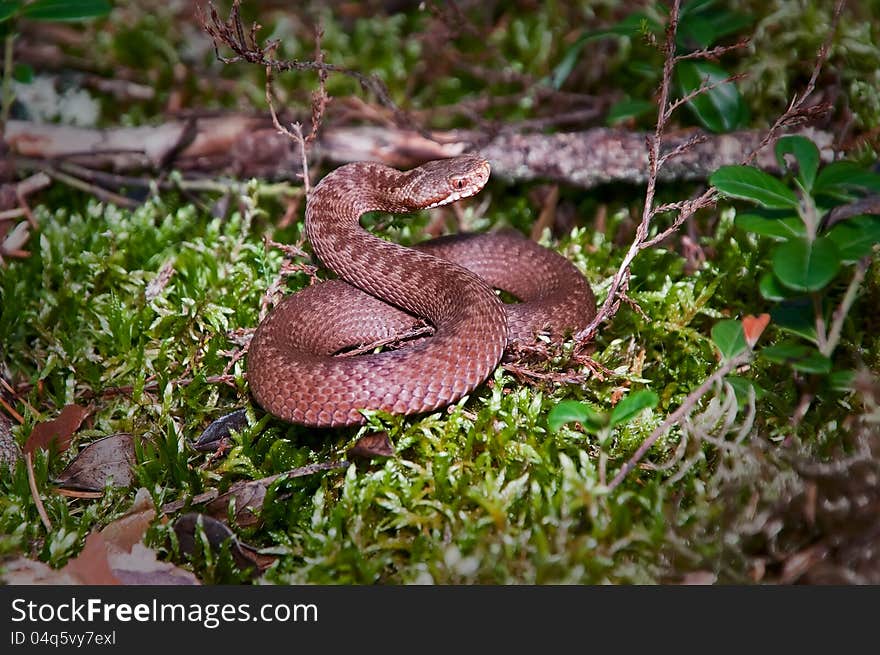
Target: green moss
{"points": [[483, 491]]}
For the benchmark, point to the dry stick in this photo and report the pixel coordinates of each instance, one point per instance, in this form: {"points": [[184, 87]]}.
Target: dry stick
{"points": [[231, 33], [686, 406], [32, 483], [9, 214], [92, 189], [796, 106], [621, 278], [796, 109], [11, 410], [15, 394], [297, 129], [843, 309]]}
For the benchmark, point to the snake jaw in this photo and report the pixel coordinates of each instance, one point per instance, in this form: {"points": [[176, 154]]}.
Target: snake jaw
{"points": [[455, 196], [443, 181]]}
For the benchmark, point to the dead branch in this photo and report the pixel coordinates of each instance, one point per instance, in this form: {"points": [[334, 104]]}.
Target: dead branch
{"points": [[683, 410], [245, 146], [231, 33], [796, 113]]}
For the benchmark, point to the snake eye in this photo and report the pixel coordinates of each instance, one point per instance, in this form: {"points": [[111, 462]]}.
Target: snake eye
{"points": [[459, 183]]}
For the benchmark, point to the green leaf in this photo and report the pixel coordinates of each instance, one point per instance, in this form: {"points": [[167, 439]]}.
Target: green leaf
{"points": [[749, 183], [805, 152], [8, 9], [627, 108], [728, 22], [689, 9], [806, 266], [631, 406], [632, 25], [855, 237], [742, 387], [776, 223], [796, 316], [572, 410], [771, 289], [798, 356], [720, 109], [842, 380], [66, 10], [843, 176], [23, 73], [695, 32], [729, 337]]}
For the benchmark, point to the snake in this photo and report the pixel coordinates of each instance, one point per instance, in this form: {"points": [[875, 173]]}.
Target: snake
{"points": [[296, 368]]}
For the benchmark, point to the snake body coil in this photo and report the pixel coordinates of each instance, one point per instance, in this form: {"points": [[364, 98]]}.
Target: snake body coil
{"points": [[386, 288]]}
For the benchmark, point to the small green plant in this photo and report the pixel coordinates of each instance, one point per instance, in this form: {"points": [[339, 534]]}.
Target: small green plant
{"points": [[38, 10], [815, 245], [701, 25]]}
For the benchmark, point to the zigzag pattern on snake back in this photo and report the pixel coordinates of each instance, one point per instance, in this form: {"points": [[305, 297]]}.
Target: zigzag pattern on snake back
{"points": [[386, 288]]}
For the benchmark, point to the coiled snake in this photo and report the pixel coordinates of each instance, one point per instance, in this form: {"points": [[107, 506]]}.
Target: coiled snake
{"points": [[385, 288]]}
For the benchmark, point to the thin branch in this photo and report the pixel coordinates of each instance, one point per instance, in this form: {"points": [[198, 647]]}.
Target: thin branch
{"points": [[621, 278], [11, 411], [713, 53], [35, 493], [704, 87], [686, 407], [100, 192], [688, 209], [394, 341], [297, 130], [18, 397], [843, 309], [680, 149], [797, 111], [231, 33], [796, 106]]}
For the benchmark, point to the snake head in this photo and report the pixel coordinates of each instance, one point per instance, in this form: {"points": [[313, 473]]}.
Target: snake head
{"points": [[443, 181]]}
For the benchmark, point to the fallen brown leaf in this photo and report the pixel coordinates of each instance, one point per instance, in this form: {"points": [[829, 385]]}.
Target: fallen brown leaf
{"points": [[248, 496], [217, 434], [115, 555], [123, 533], [217, 534], [141, 567], [375, 444], [59, 430], [91, 565], [110, 457]]}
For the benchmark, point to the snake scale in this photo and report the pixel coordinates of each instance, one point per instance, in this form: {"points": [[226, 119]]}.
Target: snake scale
{"points": [[385, 289]]}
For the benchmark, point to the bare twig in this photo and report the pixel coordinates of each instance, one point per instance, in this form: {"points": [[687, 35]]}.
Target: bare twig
{"points": [[686, 406], [796, 112], [297, 130], [620, 280], [35, 493], [11, 411], [100, 192], [17, 396], [700, 90], [713, 53], [843, 308], [392, 342], [246, 48], [796, 109], [867, 205]]}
